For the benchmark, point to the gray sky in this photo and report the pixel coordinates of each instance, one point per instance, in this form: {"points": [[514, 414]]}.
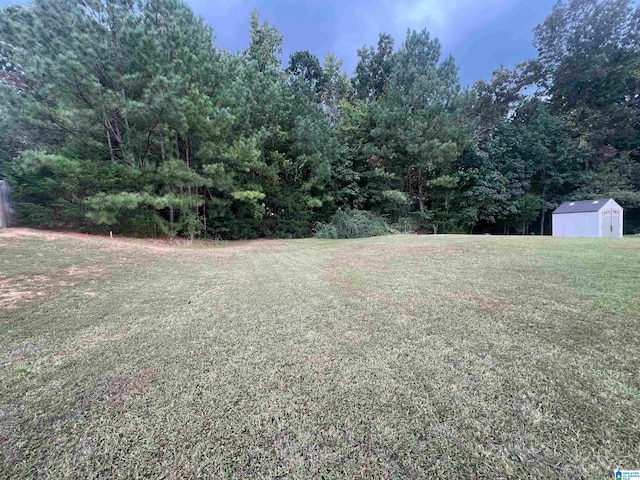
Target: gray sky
{"points": [[481, 34]]}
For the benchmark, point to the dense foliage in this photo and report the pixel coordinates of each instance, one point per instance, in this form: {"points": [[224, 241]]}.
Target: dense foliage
{"points": [[123, 115], [353, 224]]}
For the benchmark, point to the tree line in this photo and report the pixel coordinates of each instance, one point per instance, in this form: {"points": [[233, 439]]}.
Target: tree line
{"points": [[123, 115]]}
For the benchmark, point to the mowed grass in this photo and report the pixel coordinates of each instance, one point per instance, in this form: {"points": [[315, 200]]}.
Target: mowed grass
{"points": [[394, 357]]}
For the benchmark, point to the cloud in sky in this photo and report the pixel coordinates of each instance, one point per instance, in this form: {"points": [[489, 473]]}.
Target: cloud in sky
{"points": [[452, 21], [358, 20], [449, 19], [481, 34]]}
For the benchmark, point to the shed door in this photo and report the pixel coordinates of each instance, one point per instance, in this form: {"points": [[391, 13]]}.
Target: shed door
{"points": [[607, 224], [615, 223]]}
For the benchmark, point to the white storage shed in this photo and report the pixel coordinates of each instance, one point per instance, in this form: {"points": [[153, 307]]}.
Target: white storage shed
{"points": [[588, 218]]}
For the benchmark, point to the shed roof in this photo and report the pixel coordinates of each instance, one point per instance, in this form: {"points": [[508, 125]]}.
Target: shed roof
{"points": [[582, 206]]}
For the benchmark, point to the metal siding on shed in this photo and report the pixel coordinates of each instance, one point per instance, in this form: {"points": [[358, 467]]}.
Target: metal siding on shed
{"points": [[583, 224], [592, 227]]}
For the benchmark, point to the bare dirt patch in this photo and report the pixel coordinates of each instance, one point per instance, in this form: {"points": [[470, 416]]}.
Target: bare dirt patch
{"points": [[22, 290], [47, 235], [184, 248], [174, 246]]}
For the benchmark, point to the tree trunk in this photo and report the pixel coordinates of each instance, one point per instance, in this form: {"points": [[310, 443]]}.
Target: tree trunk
{"points": [[420, 193], [542, 221], [163, 155], [118, 136], [171, 214], [171, 221], [124, 115], [186, 159], [113, 158]]}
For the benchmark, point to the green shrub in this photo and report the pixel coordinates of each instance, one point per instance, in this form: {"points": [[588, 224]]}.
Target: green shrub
{"points": [[325, 230], [415, 222], [353, 224], [404, 225], [422, 222]]}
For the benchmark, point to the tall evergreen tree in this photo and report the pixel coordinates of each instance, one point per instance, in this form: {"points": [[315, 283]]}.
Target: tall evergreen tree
{"points": [[588, 64], [123, 115]]}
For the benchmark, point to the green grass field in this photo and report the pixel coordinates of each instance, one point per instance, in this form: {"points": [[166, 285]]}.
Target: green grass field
{"points": [[393, 357]]}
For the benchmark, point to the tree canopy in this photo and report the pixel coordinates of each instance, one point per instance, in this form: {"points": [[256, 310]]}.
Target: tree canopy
{"points": [[123, 115]]}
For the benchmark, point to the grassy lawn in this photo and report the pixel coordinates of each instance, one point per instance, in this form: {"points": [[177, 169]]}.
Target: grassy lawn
{"points": [[402, 356]]}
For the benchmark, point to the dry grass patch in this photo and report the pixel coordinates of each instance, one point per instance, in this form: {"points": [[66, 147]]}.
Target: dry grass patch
{"points": [[202, 248], [82, 344], [394, 357], [352, 332], [36, 287], [46, 235], [117, 390], [375, 258], [24, 352], [480, 301], [43, 354]]}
